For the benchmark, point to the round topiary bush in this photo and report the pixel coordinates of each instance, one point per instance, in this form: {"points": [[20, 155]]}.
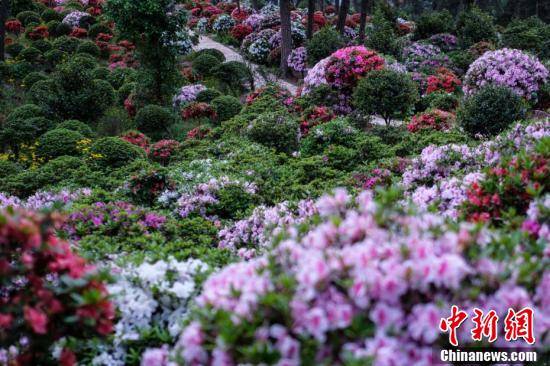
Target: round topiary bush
{"points": [[113, 152], [121, 75], [28, 17], [278, 131], [124, 91], [207, 95], [226, 107], [30, 54], [54, 57], [14, 49], [8, 168], [101, 73], [212, 52], [386, 92], [49, 14], [88, 47], [58, 142], [25, 111], [76, 125], [323, 44], [98, 28], [234, 74], [490, 111], [154, 120], [63, 29], [205, 64], [42, 45]]}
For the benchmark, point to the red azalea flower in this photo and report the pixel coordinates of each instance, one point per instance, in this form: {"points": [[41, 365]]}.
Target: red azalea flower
{"points": [[36, 319]]}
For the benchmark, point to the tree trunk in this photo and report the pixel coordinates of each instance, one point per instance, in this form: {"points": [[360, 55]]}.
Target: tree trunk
{"points": [[286, 39], [3, 18], [363, 21], [342, 15], [336, 6], [310, 12], [239, 5]]}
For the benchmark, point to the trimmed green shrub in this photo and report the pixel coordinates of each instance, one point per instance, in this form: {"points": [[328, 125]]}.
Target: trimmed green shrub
{"points": [[114, 121], [386, 92], [382, 37], [21, 69], [233, 76], [490, 111], [42, 45], [98, 28], [49, 14], [32, 78], [16, 132], [323, 44], [113, 152], [433, 22], [474, 25], [28, 17], [124, 91], [88, 47], [66, 44], [63, 29], [444, 101], [52, 27], [411, 144], [58, 142], [530, 34], [210, 51], [121, 75], [207, 95], [226, 107], [30, 54], [154, 120], [54, 57], [8, 168], [25, 111], [14, 49], [101, 73], [278, 131], [17, 6], [205, 64], [76, 125]]}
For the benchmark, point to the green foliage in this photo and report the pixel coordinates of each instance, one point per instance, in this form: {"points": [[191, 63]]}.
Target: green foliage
{"points": [[275, 130], [73, 92], [49, 14], [66, 44], [112, 152], [323, 44], [88, 47], [388, 93], [98, 28], [27, 17], [226, 107], [15, 133], [433, 22], [440, 100], [474, 25], [233, 76], [8, 168], [30, 54], [530, 34], [114, 121], [121, 75], [382, 37], [209, 51], [461, 60], [75, 125], [32, 78], [101, 73], [54, 57], [42, 45], [58, 142], [14, 49], [154, 120], [17, 6], [124, 91], [410, 144], [490, 111], [63, 29], [205, 64], [207, 95]]}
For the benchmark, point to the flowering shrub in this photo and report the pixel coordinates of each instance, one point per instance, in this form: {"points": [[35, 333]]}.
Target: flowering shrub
{"points": [[162, 150], [297, 60], [223, 23], [78, 32], [14, 26], [422, 57], [347, 65], [435, 119], [520, 72], [116, 219], [343, 289], [443, 80], [199, 132], [44, 200], [50, 295], [240, 14], [146, 186], [445, 41], [198, 110], [137, 138], [314, 117], [254, 21], [38, 32], [152, 299], [316, 76], [511, 185], [74, 17], [259, 50], [187, 94], [240, 31]]}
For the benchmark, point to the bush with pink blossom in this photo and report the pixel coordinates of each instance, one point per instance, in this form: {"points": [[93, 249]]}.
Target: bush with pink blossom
{"points": [[522, 73], [347, 65], [297, 60]]}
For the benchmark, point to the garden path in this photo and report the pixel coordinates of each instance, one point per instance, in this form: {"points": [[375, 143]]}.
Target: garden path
{"points": [[231, 55], [259, 77]]}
